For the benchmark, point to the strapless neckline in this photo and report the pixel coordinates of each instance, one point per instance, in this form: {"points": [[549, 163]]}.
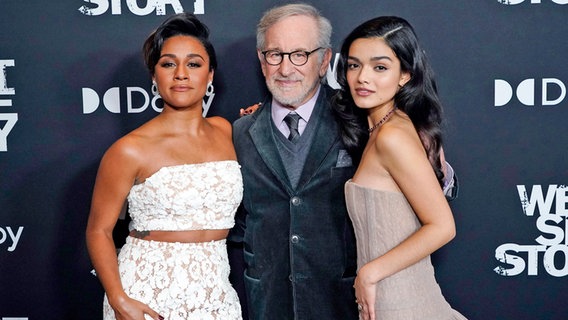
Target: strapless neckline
{"points": [[182, 165], [355, 184]]}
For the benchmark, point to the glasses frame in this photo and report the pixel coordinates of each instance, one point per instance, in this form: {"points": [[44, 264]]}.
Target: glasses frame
{"points": [[289, 54]]}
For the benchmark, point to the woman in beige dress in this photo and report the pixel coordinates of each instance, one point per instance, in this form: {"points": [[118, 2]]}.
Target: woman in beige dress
{"points": [[391, 119]]}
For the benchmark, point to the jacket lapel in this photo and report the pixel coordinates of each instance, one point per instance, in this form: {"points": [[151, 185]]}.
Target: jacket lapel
{"points": [[325, 137], [261, 133]]}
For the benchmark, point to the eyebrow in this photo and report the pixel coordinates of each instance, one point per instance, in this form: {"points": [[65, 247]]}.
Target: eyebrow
{"points": [[191, 55], [378, 58], [292, 50]]}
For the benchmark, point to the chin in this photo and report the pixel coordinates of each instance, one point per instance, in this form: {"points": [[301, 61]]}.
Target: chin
{"points": [[363, 104], [287, 98]]}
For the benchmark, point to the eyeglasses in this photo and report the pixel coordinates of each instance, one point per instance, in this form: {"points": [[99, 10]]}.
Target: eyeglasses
{"points": [[298, 57]]}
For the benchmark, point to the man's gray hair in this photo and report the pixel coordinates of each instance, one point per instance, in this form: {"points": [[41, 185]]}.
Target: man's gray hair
{"points": [[276, 14]]}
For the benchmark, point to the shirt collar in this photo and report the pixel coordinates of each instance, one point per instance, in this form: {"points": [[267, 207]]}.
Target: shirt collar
{"points": [[305, 110]]}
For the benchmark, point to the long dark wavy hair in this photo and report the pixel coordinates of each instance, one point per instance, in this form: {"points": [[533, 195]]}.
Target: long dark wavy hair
{"points": [[418, 98]]}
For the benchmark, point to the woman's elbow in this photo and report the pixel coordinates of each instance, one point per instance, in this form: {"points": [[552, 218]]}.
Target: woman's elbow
{"points": [[450, 232]]}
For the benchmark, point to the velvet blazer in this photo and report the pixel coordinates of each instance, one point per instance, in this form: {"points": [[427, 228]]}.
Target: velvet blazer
{"points": [[299, 246]]}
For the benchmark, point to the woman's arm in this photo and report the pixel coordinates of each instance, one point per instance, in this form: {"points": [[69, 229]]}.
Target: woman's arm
{"points": [[404, 158], [117, 172]]}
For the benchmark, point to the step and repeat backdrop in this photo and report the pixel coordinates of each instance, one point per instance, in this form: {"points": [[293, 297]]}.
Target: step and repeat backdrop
{"points": [[72, 81]]}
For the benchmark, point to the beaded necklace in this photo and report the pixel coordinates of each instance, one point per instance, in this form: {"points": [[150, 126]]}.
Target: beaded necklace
{"points": [[383, 120]]}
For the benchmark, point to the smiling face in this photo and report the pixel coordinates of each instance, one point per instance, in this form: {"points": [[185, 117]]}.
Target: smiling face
{"points": [[182, 72], [373, 73], [289, 84]]}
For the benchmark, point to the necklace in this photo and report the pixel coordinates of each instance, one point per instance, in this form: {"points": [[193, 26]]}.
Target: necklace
{"points": [[383, 120]]}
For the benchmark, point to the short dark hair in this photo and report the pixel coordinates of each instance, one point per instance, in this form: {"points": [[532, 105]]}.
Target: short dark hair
{"points": [[184, 24]]}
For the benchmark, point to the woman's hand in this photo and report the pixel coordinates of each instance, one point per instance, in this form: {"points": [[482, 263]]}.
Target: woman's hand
{"points": [[249, 110], [130, 309], [365, 293]]}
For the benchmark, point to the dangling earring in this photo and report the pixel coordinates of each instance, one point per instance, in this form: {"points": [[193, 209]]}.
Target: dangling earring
{"points": [[155, 88], [210, 89]]}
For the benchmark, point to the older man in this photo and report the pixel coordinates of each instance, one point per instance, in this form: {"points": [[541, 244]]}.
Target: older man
{"points": [[299, 244]]}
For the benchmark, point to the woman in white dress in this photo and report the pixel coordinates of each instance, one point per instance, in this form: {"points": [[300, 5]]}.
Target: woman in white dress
{"points": [[180, 177]]}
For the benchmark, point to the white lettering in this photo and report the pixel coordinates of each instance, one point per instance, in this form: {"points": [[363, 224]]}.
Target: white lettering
{"points": [[90, 100], [3, 77], [553, 241], [536, 199], [548, 261], [199, 7], [102, 7], [4, 90], [116, 8], [502, 256], [129, 107], [515, 2], [154, 106], [157, 6], [561, 200], [11, 119], [545, 82], [111, 100], [331, 74], [14, 237], [161, 6], [542, 226], [525, 92], [503, 92], [506, 253], [134, 8]]}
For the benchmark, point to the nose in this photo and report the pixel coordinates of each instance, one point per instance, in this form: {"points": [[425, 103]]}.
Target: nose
{"points": [[181, 73], [286, 67], [363, 75]]}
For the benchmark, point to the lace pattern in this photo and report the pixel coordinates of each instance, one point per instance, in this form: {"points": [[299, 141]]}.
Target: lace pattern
{"points": [[188, 197], [181, 281]]}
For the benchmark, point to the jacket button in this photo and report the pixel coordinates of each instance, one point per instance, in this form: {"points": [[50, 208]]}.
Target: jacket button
{"points": [[296, 201], [294, 239]]}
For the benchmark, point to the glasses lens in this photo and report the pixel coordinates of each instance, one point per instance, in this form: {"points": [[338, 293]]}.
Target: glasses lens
{"points": [[298, 58], [273, 57]]}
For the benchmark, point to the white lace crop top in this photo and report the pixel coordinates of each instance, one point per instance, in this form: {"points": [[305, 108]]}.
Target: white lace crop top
{"points": [[188, 197]]}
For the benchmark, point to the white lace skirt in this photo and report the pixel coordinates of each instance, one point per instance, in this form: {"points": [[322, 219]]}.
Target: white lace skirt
{"points": [[180, 281]]}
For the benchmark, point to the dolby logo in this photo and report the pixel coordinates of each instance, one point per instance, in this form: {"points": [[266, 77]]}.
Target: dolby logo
{"points": [[552, 92], [112, 101], [137, 100]]}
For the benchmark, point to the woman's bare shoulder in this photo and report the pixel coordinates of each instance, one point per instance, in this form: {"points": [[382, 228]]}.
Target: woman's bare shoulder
{"points": [[397, 136], [220, 123], [129, 148]]}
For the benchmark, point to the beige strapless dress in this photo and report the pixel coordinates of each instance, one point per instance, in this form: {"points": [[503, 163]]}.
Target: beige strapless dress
{"points": [[382, 220]]}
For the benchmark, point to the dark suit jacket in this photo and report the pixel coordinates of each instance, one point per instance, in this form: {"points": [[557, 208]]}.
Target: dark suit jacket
{"points": [[299, 245]]}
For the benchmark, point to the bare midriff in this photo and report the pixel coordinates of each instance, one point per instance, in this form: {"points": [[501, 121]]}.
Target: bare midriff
{"points": [[189, 236]]}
